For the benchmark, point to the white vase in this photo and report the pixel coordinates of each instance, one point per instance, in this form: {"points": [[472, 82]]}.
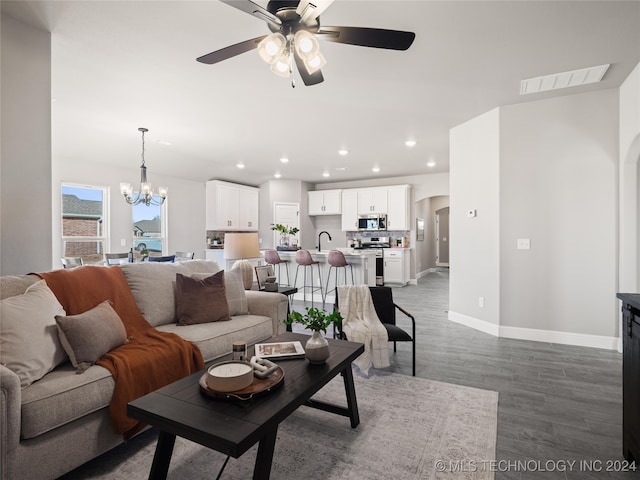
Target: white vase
{"points": [[317, 348]]}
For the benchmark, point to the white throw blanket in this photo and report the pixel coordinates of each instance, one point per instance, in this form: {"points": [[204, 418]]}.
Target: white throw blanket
{"points": [[361, 324]]}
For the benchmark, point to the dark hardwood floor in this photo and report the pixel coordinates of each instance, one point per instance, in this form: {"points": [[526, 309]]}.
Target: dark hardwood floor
{"points": [[557, 403]]}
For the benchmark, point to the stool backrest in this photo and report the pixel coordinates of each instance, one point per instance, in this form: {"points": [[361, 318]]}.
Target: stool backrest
{"points": [[336, 259], [272, 257], [303, 257]]}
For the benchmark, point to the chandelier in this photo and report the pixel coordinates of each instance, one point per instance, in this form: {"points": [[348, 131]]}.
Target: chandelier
{"points": [[278, 51], [144, 195]]}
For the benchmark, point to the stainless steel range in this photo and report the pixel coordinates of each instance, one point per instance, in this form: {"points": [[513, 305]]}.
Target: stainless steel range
{"points": [[376, 244]]}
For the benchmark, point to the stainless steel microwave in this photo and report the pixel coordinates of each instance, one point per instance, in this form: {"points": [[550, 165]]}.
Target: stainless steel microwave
{"points": [[372, 222]]}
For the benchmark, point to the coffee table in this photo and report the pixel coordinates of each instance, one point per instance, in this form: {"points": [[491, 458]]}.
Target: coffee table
{"points": [[232, 428]]}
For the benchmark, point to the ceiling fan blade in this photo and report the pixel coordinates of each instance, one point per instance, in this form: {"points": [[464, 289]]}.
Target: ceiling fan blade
{"points": [[230, 51], [308, 78], [309, 10], [368, 37], [256, 10]]}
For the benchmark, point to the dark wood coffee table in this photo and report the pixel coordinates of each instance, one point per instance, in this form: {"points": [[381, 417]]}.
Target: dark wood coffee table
{"points": [[233, 427]]}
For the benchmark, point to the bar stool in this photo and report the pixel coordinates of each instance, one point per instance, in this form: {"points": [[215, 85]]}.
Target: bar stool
{"points": [[273, 258], [336, 260], [303, 259]]}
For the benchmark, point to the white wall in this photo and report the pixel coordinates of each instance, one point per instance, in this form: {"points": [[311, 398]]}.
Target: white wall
{"points": [[630, 183], [558, 188], [475, 242], [185, 203], [25, 188]]}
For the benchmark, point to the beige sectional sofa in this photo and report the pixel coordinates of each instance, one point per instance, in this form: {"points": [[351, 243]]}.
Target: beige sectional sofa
{"points": [[62, 420]]}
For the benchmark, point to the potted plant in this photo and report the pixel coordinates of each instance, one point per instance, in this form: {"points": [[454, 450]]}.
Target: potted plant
{"points": [[284, 230], [317, 347]]}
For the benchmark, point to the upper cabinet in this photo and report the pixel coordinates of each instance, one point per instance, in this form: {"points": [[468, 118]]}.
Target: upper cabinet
{"points": [[372, 200], [392, 201], [231, 206], [398, 211], [349, 210], [325, 202]]}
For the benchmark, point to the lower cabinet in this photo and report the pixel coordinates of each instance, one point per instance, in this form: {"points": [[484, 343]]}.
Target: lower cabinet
{"points": [[396, 266]]}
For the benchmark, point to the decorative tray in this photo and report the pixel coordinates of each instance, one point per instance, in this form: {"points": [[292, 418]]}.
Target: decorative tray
{"points": [[260, 386], [287, 249]]}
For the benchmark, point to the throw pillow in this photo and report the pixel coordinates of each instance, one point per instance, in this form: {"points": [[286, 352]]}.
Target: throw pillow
{"points": [[88, 336], [233, 290], [201, 301], [29, 344]]}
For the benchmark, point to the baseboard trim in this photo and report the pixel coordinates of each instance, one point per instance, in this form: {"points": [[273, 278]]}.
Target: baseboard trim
{"points": [[536, 335], [564, 338], [476, 323], [426, 272]]}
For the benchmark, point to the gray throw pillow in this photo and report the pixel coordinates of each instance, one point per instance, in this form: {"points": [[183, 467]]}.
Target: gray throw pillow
{"points": [[233, 291], [201, 301], [29, 344], [88, 336]]}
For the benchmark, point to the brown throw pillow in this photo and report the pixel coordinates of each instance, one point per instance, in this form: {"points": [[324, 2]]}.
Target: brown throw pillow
{"points": [[88, 336], [201, 301]]}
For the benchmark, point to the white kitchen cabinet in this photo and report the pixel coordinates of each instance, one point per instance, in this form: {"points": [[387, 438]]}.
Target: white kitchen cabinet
{"points": [[398, 208], [349, 210], [325, 202], [372, 200], [396, 266], [231, 206]]}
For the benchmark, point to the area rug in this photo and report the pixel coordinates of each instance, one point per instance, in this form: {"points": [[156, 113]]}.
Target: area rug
{"points": [[410, 428]]}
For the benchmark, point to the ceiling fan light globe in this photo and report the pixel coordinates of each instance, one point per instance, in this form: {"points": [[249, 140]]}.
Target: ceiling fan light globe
{"points": [[281, 66], [306, 44], [314, 63], [271, 47]]}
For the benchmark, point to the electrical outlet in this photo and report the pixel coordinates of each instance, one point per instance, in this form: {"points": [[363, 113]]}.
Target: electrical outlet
{"points": [[524, 244], [481, 302]]}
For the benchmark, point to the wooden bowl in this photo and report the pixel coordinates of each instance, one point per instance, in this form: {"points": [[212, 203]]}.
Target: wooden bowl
{"points": [[229, 376]]}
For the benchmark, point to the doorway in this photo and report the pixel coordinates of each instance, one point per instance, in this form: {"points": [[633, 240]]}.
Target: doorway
{"points": [[442, 237]]}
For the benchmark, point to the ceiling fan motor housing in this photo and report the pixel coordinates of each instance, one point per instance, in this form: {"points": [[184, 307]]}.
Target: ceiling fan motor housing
{"points": [[285, 10]]}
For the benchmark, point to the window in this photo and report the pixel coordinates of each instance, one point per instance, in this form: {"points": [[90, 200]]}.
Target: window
{"points": [[149, 227], [84, 225]]}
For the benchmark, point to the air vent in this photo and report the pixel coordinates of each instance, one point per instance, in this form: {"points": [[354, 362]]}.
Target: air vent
{"points": [[556, 81]]}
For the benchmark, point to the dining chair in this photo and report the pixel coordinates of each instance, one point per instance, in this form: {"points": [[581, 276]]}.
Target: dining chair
{"points": [[180, 256], [116, 258], [166, 259], [70, 262]]}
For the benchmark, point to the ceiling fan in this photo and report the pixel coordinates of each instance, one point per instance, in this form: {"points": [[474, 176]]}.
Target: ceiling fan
{"points": [[295, 24]]}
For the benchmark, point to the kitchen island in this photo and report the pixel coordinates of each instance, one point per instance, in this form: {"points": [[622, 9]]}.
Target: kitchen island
{"points": [[364, 272]]}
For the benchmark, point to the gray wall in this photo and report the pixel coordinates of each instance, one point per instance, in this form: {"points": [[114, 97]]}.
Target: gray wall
{"points": [[425, 251], [475, 242], [25, 188], [546, 171]]}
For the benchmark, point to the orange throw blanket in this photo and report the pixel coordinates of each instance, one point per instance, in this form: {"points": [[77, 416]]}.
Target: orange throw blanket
{"points": [[149, 360]]}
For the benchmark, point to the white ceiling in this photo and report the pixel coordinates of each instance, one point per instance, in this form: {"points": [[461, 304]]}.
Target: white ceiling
{"points": [[120, 65]]}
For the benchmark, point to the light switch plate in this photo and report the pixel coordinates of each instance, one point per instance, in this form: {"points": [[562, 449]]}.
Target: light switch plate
{"points": [[123, 242], [524, 244]]}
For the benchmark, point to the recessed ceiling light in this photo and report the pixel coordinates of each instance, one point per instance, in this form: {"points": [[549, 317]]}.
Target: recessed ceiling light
{"points": [[284, 159], [277, 175], [343, 152], [375, 169], [341, 169], [325, 174], [431, 163], [162, 142], [240, 165], [410, 143]]}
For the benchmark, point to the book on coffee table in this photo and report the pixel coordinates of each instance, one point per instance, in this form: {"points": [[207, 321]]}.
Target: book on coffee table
{"points": [[282, 350]]}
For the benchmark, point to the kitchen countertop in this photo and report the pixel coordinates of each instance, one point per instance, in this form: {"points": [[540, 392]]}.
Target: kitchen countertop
{"points": [[348, 252]]}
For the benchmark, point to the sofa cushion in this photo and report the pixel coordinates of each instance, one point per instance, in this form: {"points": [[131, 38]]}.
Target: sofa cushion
{"points": [[88, 336], [29, 343], [153, 285], [215, 339], [61, 396], [233, 290], [12, 285], [201, 300]]}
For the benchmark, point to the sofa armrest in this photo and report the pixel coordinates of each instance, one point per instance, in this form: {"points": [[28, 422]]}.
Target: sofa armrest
{"points": [[269, 304], [10, 405]]}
